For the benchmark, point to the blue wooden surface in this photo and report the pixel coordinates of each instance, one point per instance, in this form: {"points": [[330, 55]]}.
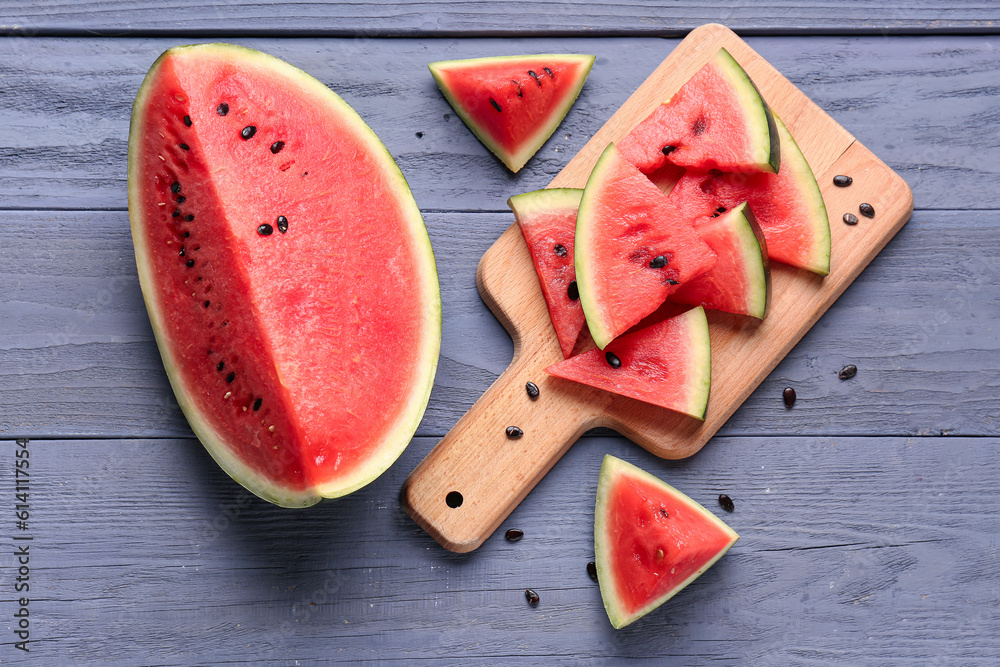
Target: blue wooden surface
{"points": [[868, 513]]}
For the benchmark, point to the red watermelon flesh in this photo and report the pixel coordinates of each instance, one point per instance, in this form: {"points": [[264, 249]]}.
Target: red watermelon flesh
{"points": [[717, 120], [668, 364], [513, 103], [650, 540], [624, 224], [547, 219]]}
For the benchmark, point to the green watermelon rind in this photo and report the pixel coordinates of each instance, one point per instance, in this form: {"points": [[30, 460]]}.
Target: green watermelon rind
{"points": [[513, 160], [760, 119], [528, 203], [214, 442], [613, 468], [700, 359]]}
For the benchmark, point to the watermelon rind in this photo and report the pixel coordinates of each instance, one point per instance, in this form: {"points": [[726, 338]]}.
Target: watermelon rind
{"points": [[517, 159], [763, 132], [612, 470], [546, 199], [426, 358]]}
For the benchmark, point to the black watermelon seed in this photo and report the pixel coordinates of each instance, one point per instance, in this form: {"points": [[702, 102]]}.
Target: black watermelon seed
{"points": [[175, 187], [181, 253], [513, 535], [867, 210], [658, 262], [514, 432], [842, 181], [221, 365], [187, 120], [613, 359], [548, 71], [847, 372], [664, 512], [208, 303], [592, 570], [667, 150], [277, 146], [671, 281], [721, 209], [789, 395], [534, 76], [184, 147], [231, 377], [187, 234], [850, 219], [189, 217], [189, 263], [222, 109], [256, 404], [531, 596], [282, 224], [420, 135], [726, 503], [265, 230], [181, 199], [532, 390], [495, 104], [699, 126], [248, 132], [573, 292], [176, 213], [560, 249]]}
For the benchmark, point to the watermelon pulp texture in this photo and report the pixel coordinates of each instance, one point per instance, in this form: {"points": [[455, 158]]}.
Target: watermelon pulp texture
{"points": [[668, 364], [547, 219], [263, 210], [788, 206], [624, 224], [513, 103], [716, 120], [650, 540], [740, 281]]}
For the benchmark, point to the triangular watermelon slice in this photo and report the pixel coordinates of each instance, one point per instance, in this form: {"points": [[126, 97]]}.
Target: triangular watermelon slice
{"points": [[717, 120], [513, 103], [668, 364], [633, 249], [650, 540], [548, 221]]}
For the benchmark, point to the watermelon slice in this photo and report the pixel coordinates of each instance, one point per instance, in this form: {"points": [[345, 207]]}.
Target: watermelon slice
{"points": [[788, 206], [667, 364], [650, 540], [548, 221], [740, 282], [513, 103], [286, 269], [633, 249], [717, 120]]}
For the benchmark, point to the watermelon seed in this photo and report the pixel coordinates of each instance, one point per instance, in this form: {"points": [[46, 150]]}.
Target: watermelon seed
{"points": [[532, 390], [667, 150], [671, 281], [789, 396], [495, 105], [208, 303], [726, 503], [256, 404], [842, 181], [181, 199], [531, 596], [663, 511], [847, 372], [184, 147], [189, 263], [221, 365], [659, 555], [867, 210], [189, 217], [549, 72], [514, 432], [612, 359], [573, 292], [699, 126], [222, 109], [231, 377], [592, 570], [658, 262], [513, 535], [176, 213], [265, 230], [277, 146], [534, 76], [560, 249], [850, 219], [248, 132], [520, 93], [187, 120], [721, 209], [453, 499], [420, 135], [181, 253], [187, 234], [283, 222], [175, 187]]}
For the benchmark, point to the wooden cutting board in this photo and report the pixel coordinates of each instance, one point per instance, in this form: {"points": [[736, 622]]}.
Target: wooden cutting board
{"points": [[476, 475]]}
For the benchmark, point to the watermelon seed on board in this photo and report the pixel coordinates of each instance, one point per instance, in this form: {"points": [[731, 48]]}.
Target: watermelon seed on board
{"points": [[850, 219], [514, 432], [532, 390], [842, 181], [867, 210]]}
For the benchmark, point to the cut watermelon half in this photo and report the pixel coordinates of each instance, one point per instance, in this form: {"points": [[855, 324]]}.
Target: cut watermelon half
{"points": [[717, 120], [668, 364], [286, 269], [650, 540], [740, 281], [788, 206], [633, 249], [513, 103], [547, 219]]}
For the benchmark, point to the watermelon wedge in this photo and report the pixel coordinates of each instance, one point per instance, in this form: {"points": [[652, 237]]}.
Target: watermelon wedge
{"points": [[668, 364], [547, 219], [740, 282], [633, 249], [717, 120], [650, 540], [513, 103], [286, 269]]}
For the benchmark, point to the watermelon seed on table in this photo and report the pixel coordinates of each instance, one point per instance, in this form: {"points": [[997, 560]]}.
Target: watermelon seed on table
{"points": [[850, 219], [514, 534], [531, 596], [726, 503], [789, 397], [222, 109], [847, 372], [592, 570]]}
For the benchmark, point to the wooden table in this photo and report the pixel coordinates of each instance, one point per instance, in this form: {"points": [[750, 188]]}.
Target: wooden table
{"points": [[868, 512]]}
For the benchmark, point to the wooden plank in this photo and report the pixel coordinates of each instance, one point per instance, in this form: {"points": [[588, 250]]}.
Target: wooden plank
{"points": [[925, 106], [77, 356], [407, 17], [852, 551]]}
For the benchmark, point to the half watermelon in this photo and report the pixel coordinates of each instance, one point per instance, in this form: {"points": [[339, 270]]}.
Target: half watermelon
{"points": [[286, 269], [650, 540], [513, 103]]}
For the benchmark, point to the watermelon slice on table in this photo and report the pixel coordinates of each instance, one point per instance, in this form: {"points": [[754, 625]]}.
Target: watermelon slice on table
{"points": [[650, 540], [263, 210], [668, 364], [633, 249], [547, 219], [740, 281], [513, 103], [717, 120]]}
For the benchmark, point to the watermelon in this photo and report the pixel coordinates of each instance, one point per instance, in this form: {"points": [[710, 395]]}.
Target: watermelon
{"points": [[650, 540], [286, 269], [547, 219], [788, 206], [633, 249], [717, 120], [668, 364], [513, 103], [740, 281]]}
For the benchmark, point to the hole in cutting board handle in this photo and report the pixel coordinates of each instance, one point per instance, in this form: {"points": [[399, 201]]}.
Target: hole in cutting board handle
{"points": [[454, 499]]}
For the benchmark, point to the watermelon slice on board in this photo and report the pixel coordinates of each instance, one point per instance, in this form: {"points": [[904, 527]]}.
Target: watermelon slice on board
{"points": [[547, 219], [513, 103], [650, 540], [263, 210]]}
